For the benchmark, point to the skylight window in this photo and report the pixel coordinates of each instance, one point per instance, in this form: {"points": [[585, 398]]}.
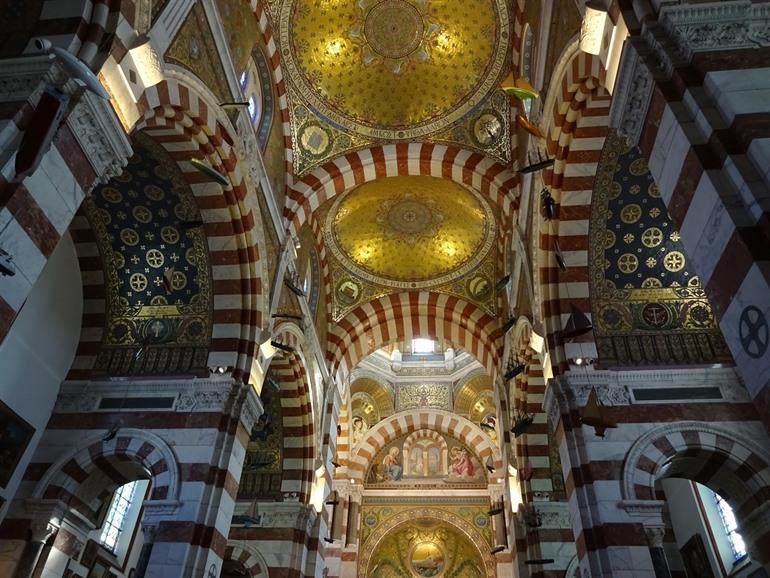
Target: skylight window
{"points": [[731, 527], [114, 523], [423, 346]]}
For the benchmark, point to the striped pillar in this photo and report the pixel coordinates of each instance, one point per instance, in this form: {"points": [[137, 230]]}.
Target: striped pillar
{"points": [[706, 134], [194, 459], [35, 210]]}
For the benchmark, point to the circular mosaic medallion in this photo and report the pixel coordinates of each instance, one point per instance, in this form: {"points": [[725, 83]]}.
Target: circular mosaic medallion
{"points": [[315, 139], [427, 559], [487, 129], [394, 28], [655, 315]]}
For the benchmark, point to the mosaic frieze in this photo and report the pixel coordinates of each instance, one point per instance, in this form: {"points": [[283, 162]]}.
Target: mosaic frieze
{"points": [[648, 305]]}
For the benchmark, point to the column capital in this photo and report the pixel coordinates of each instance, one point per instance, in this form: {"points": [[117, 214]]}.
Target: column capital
{"points": [[655, 535]]}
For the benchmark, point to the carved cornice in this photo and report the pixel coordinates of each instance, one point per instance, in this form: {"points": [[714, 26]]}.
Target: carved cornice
{"points": [[716, 26], [199, 395]]}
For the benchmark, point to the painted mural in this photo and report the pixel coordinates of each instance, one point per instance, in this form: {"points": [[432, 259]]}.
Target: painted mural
{"points": [[426, 457], [412, 540]]}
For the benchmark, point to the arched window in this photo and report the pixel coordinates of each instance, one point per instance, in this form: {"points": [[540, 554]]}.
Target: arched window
{"points": [[122, 516], [252, 91], [730, 527], [526, 62]]}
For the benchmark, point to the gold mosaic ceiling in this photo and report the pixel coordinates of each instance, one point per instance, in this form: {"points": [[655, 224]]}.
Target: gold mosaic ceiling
{"points": [[405, 231], [394, 68]]}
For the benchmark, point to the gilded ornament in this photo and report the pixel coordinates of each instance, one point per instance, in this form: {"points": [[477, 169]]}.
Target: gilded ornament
{"points": [[652, 237], [674, 261], [628, 263], [112, 195], [129, 237], [169, 235], [631, 213], [142, 214], [138, 282]]}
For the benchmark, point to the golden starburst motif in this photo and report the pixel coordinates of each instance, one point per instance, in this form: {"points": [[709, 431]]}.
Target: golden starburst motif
{"points": [[395, 33]]}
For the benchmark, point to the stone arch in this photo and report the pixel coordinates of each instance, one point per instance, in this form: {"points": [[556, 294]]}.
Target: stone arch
{"points": [[726, 461], [577, 96], [288, 370], [492, 179], [402, 518], [404, 423], [177, 113], [65, 479], [428, 434], [400, 316], [243, 552]]}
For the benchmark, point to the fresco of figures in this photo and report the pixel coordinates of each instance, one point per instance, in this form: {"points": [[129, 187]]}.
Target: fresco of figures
{"points": [[426, 457]]}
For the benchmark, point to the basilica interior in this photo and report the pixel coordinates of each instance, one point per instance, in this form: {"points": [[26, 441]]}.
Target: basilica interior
{"points": [[384, 288]]}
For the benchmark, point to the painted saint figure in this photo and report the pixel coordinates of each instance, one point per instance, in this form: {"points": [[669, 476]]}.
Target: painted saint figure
{"points": [[391, 468], [462, 465], [360, 427]]}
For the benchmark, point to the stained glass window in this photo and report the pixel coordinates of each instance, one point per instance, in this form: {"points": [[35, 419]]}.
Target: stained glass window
{"points": [[116, 518]]}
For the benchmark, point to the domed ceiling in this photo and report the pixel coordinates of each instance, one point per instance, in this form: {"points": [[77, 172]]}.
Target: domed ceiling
{"points": [[384, 70], [398, 67], [405, 230], [411, 232]]}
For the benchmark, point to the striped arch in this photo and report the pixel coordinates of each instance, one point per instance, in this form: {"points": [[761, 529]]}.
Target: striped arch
{"points": [[492, 179], [243, 552], [65, 479], [402, 316], [188, 127], [407, 422], [577, 117], [274, 58], [288, 370], [724, 460]]}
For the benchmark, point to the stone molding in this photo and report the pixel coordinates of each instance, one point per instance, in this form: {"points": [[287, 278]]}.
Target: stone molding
{"points": [[198, 395], [649, 512], [716, 26], [632, 95], [91, 119], [293, 515], [553, 515]]}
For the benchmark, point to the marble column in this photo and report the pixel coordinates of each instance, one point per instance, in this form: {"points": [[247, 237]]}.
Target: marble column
{"points": [[149, 531], [39, 534], [655, 536]]}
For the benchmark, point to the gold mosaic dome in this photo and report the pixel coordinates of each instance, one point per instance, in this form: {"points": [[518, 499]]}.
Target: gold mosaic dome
{"points": [[409, 232], [394, 68]]}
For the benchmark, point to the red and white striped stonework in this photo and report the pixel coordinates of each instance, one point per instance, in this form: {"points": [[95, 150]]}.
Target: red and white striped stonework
{"points": [[576, 138], [187, 127], [248, 556], [611, 483], [707, 139], [82, 27], [193, 458], [274, 57], [405, 423], [404, 316], [493, 180], [323, 258]]}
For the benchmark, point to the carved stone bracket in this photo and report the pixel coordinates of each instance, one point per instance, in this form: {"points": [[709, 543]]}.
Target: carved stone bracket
{"points": [[632, 96], [655, 535], [100, 135]]}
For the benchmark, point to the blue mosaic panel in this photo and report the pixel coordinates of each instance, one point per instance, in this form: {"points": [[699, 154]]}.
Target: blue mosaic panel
{"points": [[648, 305], [157, 272]]}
